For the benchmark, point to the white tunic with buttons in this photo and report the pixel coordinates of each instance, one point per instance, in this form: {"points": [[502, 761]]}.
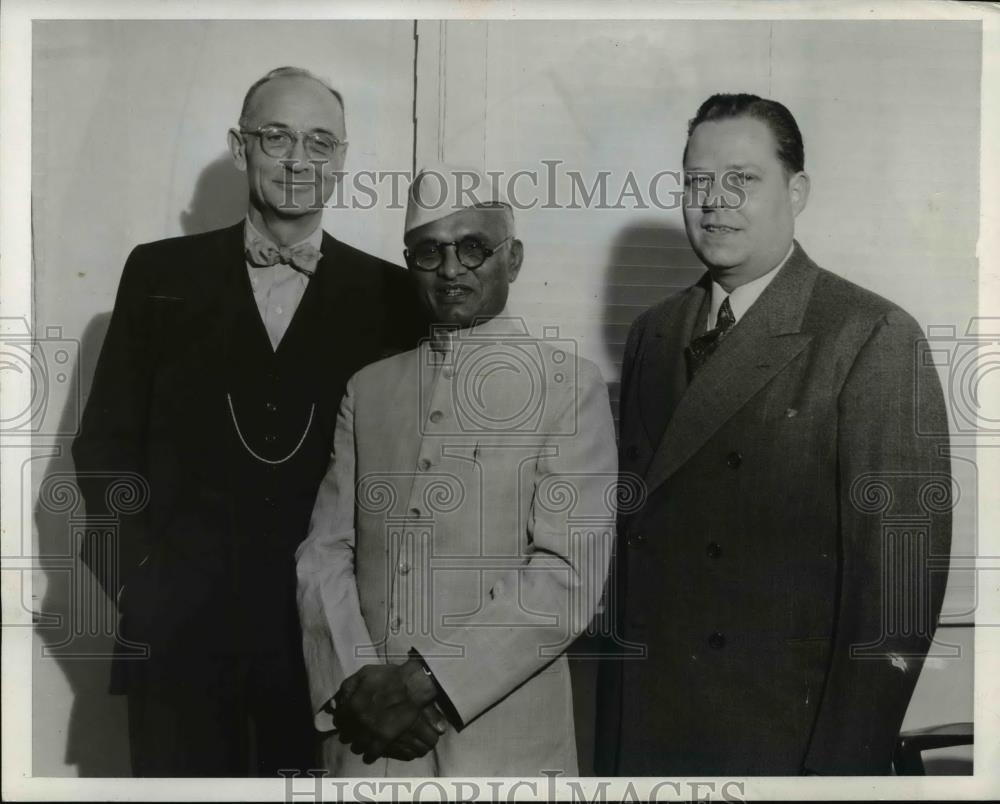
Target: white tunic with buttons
{"points": [[468, 514]]}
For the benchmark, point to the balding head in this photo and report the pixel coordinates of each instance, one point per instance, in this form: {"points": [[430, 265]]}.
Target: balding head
{"points": [[248, 117]]}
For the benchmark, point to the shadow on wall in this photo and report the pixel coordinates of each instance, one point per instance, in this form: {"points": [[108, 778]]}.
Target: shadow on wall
{"points": [[647, 261], [219, 199], [74, 621]]}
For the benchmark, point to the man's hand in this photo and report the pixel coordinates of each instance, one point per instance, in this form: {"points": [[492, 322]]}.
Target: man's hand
{"points": [[381, 703], [420, 738]]}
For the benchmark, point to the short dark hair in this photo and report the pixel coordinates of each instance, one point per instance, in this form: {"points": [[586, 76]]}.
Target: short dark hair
{"points": [[774, 115], [281, 72]]}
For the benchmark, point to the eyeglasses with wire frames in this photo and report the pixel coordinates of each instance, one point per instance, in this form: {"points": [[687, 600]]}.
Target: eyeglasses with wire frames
{"points": [[279, 142], [471, 253]]}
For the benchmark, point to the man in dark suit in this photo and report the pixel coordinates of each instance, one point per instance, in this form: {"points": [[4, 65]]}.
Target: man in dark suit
{"points": [[771, 410], [216, 395]]}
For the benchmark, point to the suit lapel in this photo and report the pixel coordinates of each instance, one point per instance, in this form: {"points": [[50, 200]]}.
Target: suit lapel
{"points": [[303, 323], [217, 285], [325, 288], [341, 289], [765, 340], [326, 317], [662, 375]]}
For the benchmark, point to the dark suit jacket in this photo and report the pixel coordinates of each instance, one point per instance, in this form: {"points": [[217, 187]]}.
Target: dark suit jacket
{"points": [[157, 417], [778, 571]]}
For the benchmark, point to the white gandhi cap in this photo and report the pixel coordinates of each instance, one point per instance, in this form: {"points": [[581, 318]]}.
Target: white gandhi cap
{"points": [[440, 190]]}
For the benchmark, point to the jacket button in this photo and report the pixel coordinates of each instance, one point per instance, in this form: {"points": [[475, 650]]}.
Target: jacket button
{"points": [[713, 549], [448, 373], [632, 452], [270, 407], [394, 624], [415, 513], [404, 567], [636, 538], [423, 464], [436, 416], [734, 459], [269, 438], [716, 641]]}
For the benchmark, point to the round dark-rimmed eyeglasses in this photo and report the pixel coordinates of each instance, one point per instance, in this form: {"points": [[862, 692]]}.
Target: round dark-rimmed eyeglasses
{"points": [[471, 253], [279, 142]]}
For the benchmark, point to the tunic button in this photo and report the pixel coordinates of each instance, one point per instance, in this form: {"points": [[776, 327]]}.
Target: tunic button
{"points": [[448, 373], [270, 406], [734, 459], [404, 568], [716, 641], [423, 464], [713, 549], [415, 513], [395, 624], [436, 416]]}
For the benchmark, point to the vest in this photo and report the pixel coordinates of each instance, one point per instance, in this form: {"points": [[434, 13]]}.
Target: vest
{"points": [[277, 448]]}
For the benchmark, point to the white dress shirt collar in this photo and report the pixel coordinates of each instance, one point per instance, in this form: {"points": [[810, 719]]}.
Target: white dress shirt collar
{"points": [[743, 297]]}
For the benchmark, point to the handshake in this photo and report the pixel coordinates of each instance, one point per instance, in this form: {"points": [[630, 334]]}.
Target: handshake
{"points": [[388, 710]]}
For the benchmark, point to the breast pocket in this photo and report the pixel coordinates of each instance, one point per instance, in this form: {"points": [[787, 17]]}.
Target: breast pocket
{"points": [[163, 318], [163, 309]]}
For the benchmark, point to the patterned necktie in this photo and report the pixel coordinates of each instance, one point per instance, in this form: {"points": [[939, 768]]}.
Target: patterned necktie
{"points": [[261, 252], [703, 346]]}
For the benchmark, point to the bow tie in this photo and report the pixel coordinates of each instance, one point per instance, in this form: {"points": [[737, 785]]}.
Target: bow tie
{"points": [[261, 253]]}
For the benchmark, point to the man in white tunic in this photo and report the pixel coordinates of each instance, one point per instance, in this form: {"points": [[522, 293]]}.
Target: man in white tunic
{"points": [[461, 537]]}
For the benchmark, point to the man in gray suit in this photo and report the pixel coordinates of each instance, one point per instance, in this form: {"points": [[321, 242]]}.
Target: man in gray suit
{"points": [[772, 410]]}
